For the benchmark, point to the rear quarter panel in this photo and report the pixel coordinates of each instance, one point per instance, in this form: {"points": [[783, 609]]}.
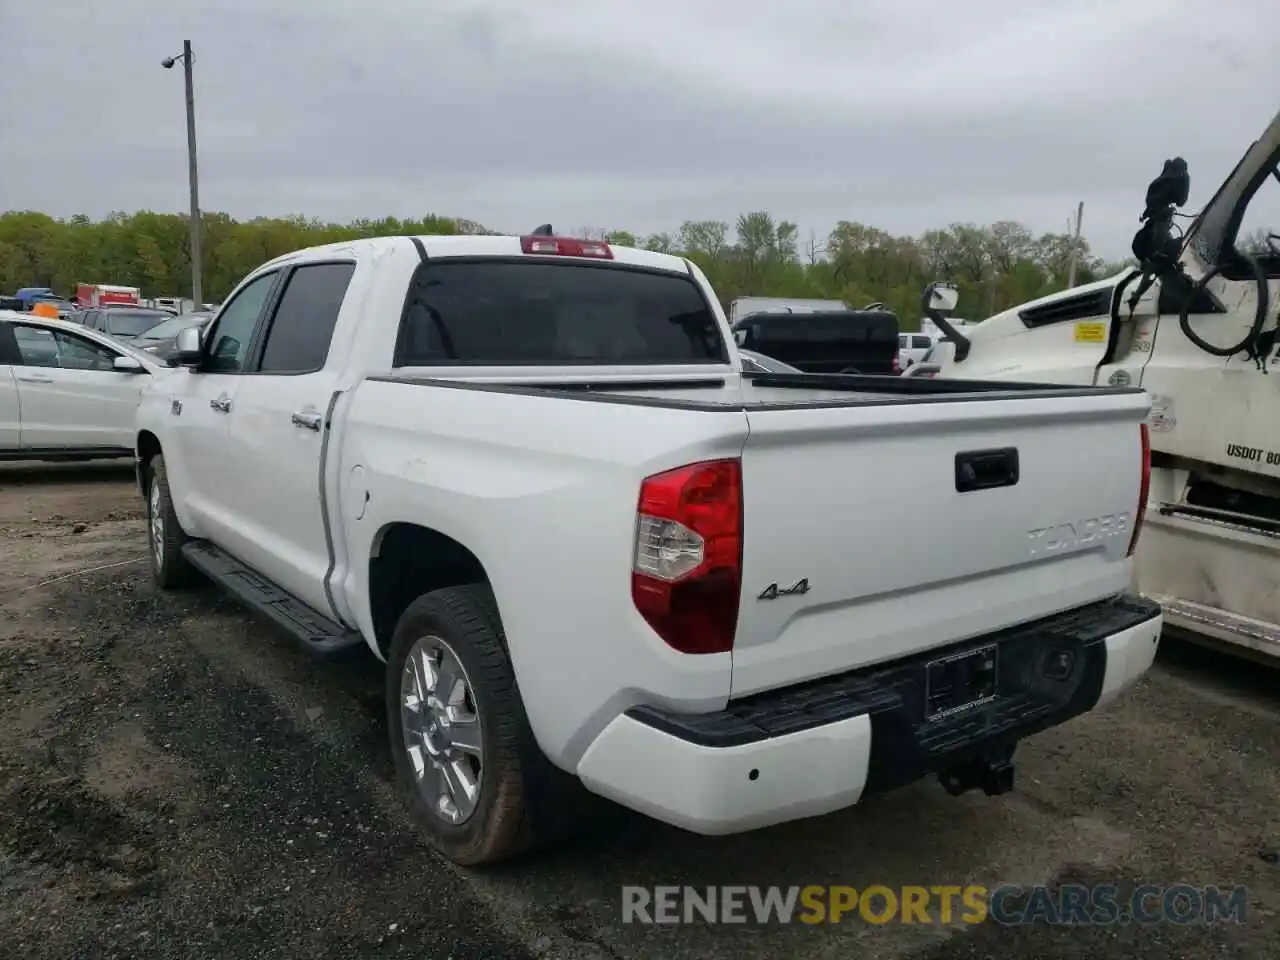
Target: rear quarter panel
{"points": [[543, 491]]}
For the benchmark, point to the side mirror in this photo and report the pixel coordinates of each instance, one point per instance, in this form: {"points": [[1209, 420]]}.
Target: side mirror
{"points": [[187, 346], [943, 297], [127, 365], [940, 299]]}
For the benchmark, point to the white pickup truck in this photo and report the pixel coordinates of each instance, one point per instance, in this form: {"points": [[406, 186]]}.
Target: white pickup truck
{"points": [[532, 476]]}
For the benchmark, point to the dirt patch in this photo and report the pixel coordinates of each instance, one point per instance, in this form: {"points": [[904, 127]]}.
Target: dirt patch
{"points": [[62, 821], [125, 765], [155, 800]]}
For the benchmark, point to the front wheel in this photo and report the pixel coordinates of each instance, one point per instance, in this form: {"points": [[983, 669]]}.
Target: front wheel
{"points": [[459, 735]]}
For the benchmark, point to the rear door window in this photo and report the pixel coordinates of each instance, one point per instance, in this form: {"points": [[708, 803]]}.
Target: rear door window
{"points": [[538, 312], [299, 335]]}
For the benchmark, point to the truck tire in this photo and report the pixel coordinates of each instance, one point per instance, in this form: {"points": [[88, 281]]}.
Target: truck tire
{"points": [[165, 535], [464, 752]]}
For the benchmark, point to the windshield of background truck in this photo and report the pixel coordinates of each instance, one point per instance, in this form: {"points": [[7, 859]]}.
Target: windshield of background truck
{"points": [[130, 323], [168, 329], [555, 312]]}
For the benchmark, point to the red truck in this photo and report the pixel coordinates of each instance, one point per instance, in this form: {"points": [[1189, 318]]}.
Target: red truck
{"points": [[101, 294]]}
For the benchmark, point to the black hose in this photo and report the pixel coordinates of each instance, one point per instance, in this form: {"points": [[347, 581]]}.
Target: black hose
{"points": [[1259, 319]]}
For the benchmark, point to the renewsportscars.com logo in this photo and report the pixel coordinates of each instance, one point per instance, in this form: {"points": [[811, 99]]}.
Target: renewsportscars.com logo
{"points": [[1008, 905]]}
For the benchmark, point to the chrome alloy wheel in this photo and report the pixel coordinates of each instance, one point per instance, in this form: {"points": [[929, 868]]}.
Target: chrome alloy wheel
{"points": [[442, 731], [157, 523]]}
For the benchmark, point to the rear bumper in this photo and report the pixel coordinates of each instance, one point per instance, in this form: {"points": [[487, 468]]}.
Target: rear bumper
{"points": [[821, 746]]}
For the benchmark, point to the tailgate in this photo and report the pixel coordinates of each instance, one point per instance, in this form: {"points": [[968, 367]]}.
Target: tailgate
{"points": [[867, 507]]}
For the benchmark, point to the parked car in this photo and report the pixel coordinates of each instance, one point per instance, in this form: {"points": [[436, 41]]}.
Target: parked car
{"points": [[528, 474], [160, 340], [124, 323], [29, 296], [67, 393]]}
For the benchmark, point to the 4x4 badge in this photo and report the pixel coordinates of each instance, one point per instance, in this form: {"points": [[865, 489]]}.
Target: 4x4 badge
{"points": [[773, 591]]}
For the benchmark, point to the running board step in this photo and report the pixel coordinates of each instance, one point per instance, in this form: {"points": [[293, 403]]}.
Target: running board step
{"points": [[317, 633], [1256, 636]]}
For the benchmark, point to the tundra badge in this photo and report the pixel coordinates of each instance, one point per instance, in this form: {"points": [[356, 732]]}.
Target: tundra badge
{"points": [[773, 591]]}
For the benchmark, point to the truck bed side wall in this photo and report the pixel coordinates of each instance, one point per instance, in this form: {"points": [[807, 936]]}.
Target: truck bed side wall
{"points": [[543, 491]]}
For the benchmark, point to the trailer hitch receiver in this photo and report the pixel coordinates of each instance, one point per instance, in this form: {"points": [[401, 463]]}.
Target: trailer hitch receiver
{"points": [[993, 775]]}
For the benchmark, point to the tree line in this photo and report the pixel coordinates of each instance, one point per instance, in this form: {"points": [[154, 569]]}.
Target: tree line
{"points": [[995, 265]]}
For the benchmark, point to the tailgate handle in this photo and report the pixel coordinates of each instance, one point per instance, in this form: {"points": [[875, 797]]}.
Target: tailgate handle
{"points": [[986, 469]]}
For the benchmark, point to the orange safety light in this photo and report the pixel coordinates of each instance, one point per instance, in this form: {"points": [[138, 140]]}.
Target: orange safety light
{"points": [[45, 309]]}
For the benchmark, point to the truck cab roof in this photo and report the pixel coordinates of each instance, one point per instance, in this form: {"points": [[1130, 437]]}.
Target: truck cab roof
{"points": [[441, 246]]}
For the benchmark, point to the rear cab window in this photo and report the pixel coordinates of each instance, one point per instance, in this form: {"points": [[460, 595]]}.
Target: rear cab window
{"points": [[497, 311]]}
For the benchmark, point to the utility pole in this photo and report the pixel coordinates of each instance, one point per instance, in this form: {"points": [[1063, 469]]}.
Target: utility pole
{"points": [[193, 180], [1075, 247]]}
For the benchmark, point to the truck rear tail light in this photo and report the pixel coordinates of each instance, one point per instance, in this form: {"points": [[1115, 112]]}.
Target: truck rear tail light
{"points": [[1144, 490], [566, 247], [686, 577]]}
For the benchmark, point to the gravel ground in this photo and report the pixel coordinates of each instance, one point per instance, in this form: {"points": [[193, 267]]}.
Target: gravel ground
{"points": [[177, 780]]}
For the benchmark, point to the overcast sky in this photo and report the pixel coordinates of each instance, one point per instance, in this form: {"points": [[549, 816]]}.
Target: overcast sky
{"points": [[636, 114]]}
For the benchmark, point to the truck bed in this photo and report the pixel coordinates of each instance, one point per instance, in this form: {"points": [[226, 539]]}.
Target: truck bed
{"points": [[917, 513]]}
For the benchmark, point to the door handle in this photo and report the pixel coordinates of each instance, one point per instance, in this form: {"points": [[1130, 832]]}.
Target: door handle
{"points": [[307, 420], [986, 469], [222, 404], [31, 379]]}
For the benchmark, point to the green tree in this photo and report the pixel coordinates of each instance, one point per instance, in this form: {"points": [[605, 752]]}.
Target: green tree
{"points": [[995, 266]]}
